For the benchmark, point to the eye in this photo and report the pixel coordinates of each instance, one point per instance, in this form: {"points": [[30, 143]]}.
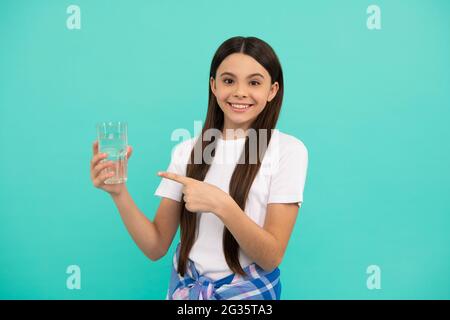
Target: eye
{"points": [[254, 82]]}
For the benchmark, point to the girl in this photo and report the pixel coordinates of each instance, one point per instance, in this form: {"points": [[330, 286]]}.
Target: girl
{"points": [[235, 189]]}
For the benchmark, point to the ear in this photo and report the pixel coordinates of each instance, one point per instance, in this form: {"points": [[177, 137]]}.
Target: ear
{"points": [[213, 85], [273, 91]]}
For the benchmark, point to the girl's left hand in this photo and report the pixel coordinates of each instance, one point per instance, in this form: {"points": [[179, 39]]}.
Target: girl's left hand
{"points": [[200, 196]]}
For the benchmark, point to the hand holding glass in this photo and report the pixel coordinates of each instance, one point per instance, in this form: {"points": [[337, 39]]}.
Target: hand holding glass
{"points": [[113, 140]]}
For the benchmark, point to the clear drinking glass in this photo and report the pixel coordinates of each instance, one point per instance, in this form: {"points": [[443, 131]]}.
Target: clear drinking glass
{"points": [[113, 139]]}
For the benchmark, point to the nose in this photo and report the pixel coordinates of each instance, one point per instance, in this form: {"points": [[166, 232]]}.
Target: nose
{"points": [[240, 92]]}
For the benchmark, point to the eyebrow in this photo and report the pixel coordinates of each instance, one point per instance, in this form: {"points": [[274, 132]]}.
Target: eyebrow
{"points": [[252, 75]]}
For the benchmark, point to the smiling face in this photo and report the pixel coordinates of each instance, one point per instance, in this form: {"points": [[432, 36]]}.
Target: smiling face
{"points": [[242, 88]]}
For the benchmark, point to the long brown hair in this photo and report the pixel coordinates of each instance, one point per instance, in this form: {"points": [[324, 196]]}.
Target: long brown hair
{"points": [[244, 172]]}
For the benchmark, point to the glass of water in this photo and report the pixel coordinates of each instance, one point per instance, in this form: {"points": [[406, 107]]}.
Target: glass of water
{"points": [[113, 139]]}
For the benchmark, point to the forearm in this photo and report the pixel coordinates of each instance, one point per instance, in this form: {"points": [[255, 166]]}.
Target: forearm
{"points": [[258, 244], [142, 230]]}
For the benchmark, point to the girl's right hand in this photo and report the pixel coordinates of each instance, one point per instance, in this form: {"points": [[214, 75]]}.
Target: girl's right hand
{"points": [[99, 174]]}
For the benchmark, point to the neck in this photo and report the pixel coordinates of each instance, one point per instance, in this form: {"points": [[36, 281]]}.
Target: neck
{"points": [[232, 131]]}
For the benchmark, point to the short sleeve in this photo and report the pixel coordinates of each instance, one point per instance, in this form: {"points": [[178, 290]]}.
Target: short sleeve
{"points": [[178, 162], [288, 180]]}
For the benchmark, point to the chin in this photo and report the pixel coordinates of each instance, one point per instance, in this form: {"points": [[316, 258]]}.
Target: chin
{"points": [[240, 119]]}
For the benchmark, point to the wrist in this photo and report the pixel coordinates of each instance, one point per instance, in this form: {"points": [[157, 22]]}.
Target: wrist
{"points": [[119, 194], [225, 207]]}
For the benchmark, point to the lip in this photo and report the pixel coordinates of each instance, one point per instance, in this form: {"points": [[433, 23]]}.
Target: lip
{"points": [[240, 110]]}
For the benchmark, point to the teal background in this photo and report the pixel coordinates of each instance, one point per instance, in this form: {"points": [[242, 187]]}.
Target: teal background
{"points": [[372, 107]]}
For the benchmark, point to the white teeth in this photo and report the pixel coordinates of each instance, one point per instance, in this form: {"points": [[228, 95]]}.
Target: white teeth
{"points": [[240, 106]]}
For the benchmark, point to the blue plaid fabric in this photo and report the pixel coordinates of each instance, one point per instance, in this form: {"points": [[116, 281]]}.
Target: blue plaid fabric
{"points": [[257, 284]]}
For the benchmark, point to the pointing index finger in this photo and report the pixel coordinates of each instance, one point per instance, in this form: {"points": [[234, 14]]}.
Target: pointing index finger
{"points": [[175, 177]]}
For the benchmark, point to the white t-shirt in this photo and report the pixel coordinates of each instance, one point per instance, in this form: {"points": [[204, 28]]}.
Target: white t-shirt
{"points": [[280, 179]]}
